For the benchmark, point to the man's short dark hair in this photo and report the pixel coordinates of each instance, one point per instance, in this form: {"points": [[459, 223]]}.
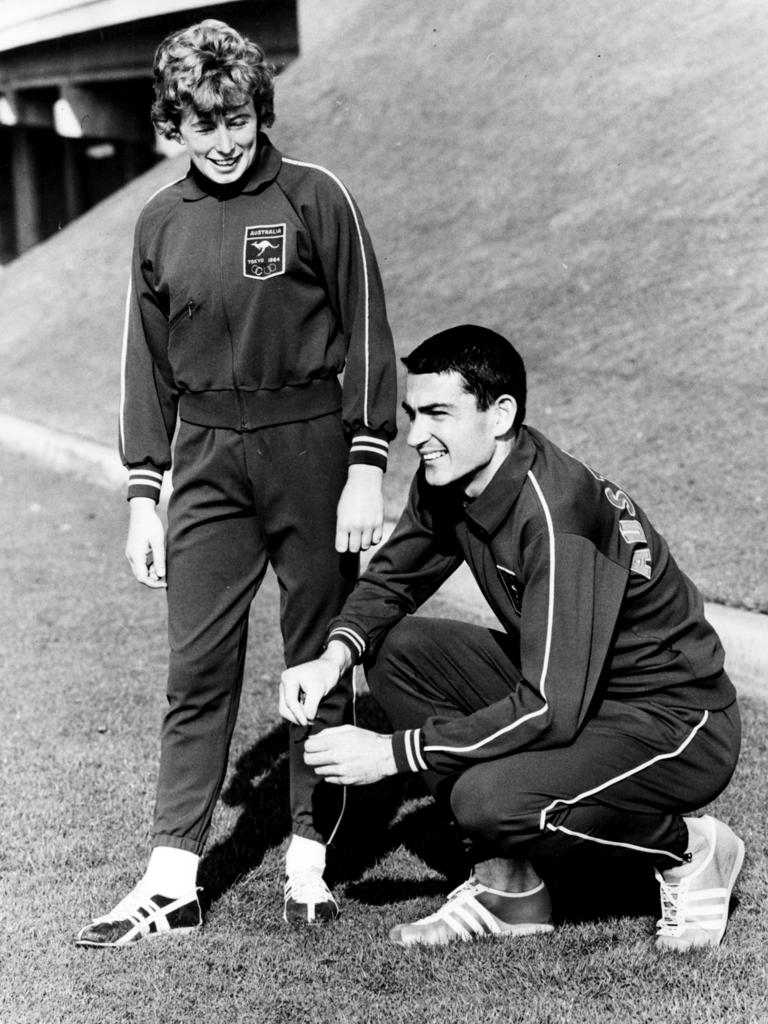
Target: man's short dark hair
{"points": [[489, 365], [210, 68]]}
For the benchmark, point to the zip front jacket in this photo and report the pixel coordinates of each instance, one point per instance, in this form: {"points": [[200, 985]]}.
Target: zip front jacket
{"points": [[247, 302], [570, 565]]}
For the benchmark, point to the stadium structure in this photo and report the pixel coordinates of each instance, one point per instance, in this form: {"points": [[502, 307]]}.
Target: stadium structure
{"points": [[75, 91]]}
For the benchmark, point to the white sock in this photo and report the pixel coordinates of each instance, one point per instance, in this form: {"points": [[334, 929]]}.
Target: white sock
{"points": [[304, 854], [170, 872]]}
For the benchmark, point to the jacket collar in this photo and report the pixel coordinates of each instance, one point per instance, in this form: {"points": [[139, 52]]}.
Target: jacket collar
{"points": [[489, 509], [263, 170]]}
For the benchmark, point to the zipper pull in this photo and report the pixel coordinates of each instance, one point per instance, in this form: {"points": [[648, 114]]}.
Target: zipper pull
{"points": [[190, 307]]}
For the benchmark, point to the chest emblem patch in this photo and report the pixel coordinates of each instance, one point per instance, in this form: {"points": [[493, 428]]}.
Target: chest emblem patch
{"points": [[264, 251], [512, 586]]}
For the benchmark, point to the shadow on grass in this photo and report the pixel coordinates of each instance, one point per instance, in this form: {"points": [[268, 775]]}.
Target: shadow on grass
{"points": [[369, 831], [264, 821], [390, 815]]}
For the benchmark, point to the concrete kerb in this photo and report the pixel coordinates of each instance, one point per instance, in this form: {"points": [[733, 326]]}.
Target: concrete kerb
{"points": [[744, 634], [66, 453], [92, 461]]}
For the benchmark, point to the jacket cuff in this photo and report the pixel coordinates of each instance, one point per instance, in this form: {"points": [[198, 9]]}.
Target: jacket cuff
{"points": [[144, 482], [368, 451], [407, 748], [353, 641]]}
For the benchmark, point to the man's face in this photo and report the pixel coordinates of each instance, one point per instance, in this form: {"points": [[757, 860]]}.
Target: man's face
{"points": [[221, 146], [455, 440]]}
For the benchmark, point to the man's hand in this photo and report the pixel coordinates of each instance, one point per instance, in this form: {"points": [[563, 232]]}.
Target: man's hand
{"points": [[304, 686], [360, 512], [349, 756], [145, 546]]}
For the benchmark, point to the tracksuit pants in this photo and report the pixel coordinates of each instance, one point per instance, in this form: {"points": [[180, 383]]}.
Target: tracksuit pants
{"points": [[620, 787], [242, 501]]}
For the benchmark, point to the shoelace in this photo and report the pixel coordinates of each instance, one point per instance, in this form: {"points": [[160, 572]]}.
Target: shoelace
{"points": [[307, 887], [470, 886], [670, 893]]}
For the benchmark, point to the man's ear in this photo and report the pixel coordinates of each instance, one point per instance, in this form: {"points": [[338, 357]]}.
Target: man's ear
{"points": [[506, 410]]}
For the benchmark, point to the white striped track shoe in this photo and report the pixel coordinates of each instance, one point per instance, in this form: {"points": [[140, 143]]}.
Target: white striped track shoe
{"points": [[695, 907], [140, 916], [474, 911], [308, 900]]}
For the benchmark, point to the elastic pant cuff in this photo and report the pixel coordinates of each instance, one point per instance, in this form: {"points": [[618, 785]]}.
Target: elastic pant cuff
{"points": [[308, 832], [178, 843]]}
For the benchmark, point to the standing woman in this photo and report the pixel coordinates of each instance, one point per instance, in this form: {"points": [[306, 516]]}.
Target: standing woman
{"points": [[254, 286]]}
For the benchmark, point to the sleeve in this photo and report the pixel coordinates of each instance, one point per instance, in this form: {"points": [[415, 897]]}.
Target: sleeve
{"points": [[413, 563], [148, 399], [570, 607], [356, 294]]}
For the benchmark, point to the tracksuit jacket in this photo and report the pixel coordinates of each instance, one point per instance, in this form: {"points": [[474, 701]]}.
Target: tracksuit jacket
{"points": [[295, 298], [570, 564]]}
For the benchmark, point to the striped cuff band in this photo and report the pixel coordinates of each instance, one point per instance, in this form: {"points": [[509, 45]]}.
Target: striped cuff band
{"points": [[146, 477], [144, 483], [369, 450], [352, 640], [412, 745], [370, 444]]}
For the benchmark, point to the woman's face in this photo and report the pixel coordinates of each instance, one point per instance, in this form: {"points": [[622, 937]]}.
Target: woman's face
{"points": [[221, 146]]}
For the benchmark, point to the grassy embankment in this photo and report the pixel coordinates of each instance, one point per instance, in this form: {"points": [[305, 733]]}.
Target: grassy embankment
{"points": [[593, 186]]}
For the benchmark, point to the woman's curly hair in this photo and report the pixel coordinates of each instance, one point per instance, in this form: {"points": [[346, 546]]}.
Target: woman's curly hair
{"points": [[210, 67]]}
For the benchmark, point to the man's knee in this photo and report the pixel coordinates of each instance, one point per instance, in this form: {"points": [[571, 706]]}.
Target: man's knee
{"points": [[494, 814], [475, 816]]}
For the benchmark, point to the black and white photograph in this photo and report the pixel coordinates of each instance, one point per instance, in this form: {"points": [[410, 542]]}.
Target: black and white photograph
{"points": [[383, 512]]}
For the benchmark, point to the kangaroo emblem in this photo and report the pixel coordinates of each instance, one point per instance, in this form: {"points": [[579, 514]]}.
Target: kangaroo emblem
{"points": [[264, 244]]}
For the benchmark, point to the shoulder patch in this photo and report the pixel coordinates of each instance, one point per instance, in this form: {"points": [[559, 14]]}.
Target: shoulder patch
{"points": [[641, 562], [632, 531]]}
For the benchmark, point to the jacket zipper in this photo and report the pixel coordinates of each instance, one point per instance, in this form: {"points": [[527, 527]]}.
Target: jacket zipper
{"points": [[222, 228]]}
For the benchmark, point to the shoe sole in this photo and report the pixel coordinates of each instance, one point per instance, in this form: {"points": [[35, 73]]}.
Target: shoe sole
{"points": [[509, 931], [180, 932], [526, 929], [304, 922]]}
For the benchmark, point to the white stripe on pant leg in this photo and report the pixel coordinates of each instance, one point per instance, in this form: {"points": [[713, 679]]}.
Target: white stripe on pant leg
{"points": [[611, 842], [544, 824]]}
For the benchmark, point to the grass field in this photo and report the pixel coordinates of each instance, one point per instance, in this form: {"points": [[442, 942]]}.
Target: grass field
{"points": [[82, 681]]}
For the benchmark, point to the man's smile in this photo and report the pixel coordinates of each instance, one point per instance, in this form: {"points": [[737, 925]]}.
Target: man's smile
{"points": [[433, 454]]}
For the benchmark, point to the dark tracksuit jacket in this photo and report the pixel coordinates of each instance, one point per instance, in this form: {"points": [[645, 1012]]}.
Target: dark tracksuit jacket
{"points": [[247, 302], [571, 566]]}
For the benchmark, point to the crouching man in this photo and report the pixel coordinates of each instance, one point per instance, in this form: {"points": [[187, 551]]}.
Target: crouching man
{"points": [[600, 717]]}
